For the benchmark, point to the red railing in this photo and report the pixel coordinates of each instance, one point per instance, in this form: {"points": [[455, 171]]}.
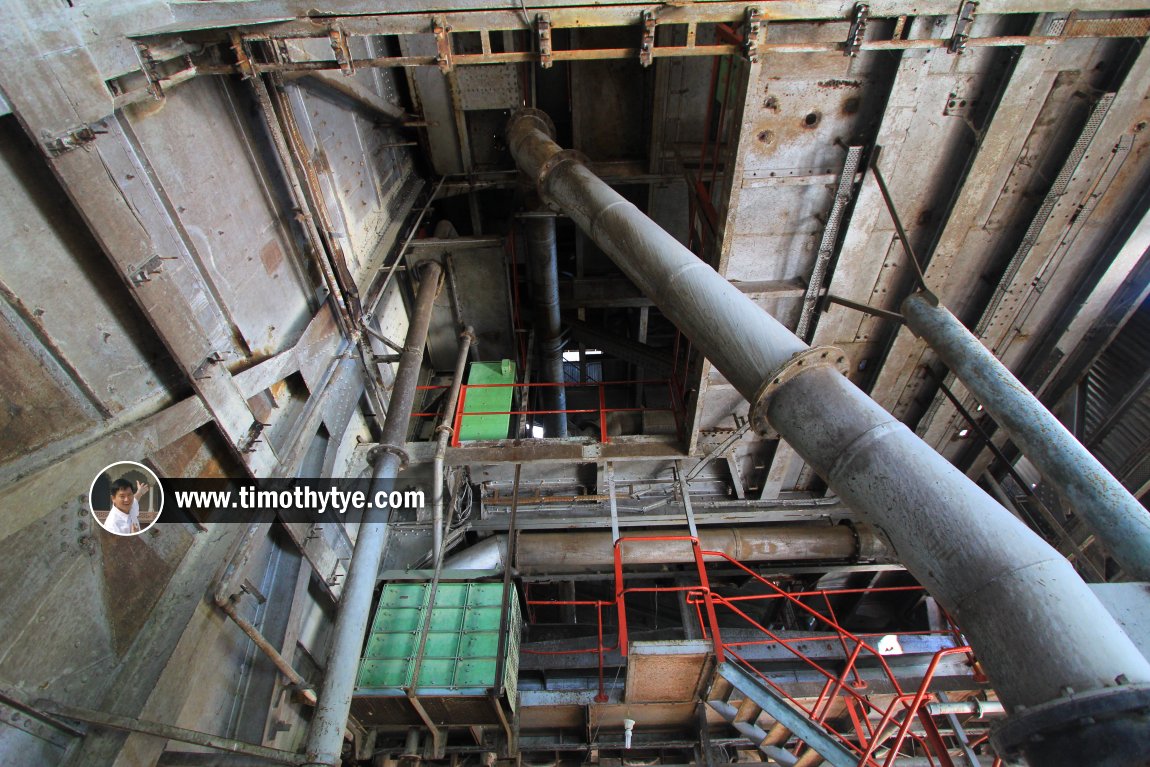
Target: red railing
{"points": [[601, 410], [894, 720]]}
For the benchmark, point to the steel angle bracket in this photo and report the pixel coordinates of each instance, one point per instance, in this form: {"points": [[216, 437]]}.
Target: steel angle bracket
{"points": [[543, 35], [647, 44]]}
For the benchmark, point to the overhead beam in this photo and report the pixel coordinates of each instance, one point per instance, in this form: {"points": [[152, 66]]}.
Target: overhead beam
{"points": [[1022, 95], [1020, 297], [364, 17]]}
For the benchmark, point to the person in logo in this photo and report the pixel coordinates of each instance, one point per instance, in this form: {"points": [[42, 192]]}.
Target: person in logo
{"points": [[119, 519], [134, 514]]}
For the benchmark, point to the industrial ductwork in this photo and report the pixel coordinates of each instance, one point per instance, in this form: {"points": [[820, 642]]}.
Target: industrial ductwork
{"points": [[1066, 672], [544, 267], [582, 550]]}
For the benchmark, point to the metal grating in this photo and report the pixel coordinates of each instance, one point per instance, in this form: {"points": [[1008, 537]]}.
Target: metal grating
{"points": [[1116, 418], [830, 236]]}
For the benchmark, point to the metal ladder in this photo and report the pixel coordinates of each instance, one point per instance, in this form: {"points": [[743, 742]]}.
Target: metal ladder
{"points": [[758, 698]]}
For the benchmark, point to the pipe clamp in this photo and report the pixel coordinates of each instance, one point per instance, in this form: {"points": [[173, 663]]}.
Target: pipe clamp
{"points": [[550, 164]]}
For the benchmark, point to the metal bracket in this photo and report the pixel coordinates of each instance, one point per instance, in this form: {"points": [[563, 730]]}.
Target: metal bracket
{"points": [[212, 359], [858, 30], [752, 23], [248, 443], [442, 44], [962, 26], [543, 33], [248, 587], [244, 63], [341, 50], [153, 265], [151, 70], [647, 44], [70, 139]]}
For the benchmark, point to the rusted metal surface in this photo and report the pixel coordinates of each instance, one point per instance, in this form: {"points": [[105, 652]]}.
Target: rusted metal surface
{"points": [[661, 672], [134, 578], [45, 409], [586, 550], [463, 16]]}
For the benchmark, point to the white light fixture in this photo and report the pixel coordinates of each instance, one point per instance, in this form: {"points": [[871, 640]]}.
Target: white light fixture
{"points": [[628, 727], [963, 433]]}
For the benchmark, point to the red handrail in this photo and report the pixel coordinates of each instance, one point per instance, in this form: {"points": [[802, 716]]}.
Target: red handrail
{"points": [[838, 683]]}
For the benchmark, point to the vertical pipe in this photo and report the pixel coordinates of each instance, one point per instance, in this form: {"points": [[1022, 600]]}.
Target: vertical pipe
{"points": [[1114, 515], [443, 434], [1012, 593], [325, 739], [542, 250]]}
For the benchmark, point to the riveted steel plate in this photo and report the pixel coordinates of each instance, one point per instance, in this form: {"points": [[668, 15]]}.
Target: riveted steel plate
{"points": [[489, 87]]}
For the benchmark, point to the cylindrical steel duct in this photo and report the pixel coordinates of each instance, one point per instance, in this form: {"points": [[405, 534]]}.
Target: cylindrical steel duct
{"points": [[542, 251], [325, 739], [1046, 641], [1115, 516], [443, 434], [580, 550]]}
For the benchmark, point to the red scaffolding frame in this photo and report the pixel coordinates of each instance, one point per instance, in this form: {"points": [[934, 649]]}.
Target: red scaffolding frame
{"points": [[844, 683]]}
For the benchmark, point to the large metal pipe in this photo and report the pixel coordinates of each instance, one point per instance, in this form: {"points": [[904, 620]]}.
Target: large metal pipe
{"points": [[443, 434], [325, 739], [543, 252], [1048, 644], [581, 550], [1115, 516]]}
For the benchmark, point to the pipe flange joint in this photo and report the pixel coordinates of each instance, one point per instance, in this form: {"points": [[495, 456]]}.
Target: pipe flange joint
{"points": [[800, 362], [524, 113], [377, 452], [550, 164], [1118, 715]]}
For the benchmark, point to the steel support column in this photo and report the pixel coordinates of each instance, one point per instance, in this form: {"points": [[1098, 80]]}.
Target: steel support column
{"points": [[542, 251], [1114, 515], [442, 435], [325, 739], [1009, 590]]}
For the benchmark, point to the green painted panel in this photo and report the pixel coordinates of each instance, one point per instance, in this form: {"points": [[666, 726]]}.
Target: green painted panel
{"points": [[460, 653], [496, 399]]}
